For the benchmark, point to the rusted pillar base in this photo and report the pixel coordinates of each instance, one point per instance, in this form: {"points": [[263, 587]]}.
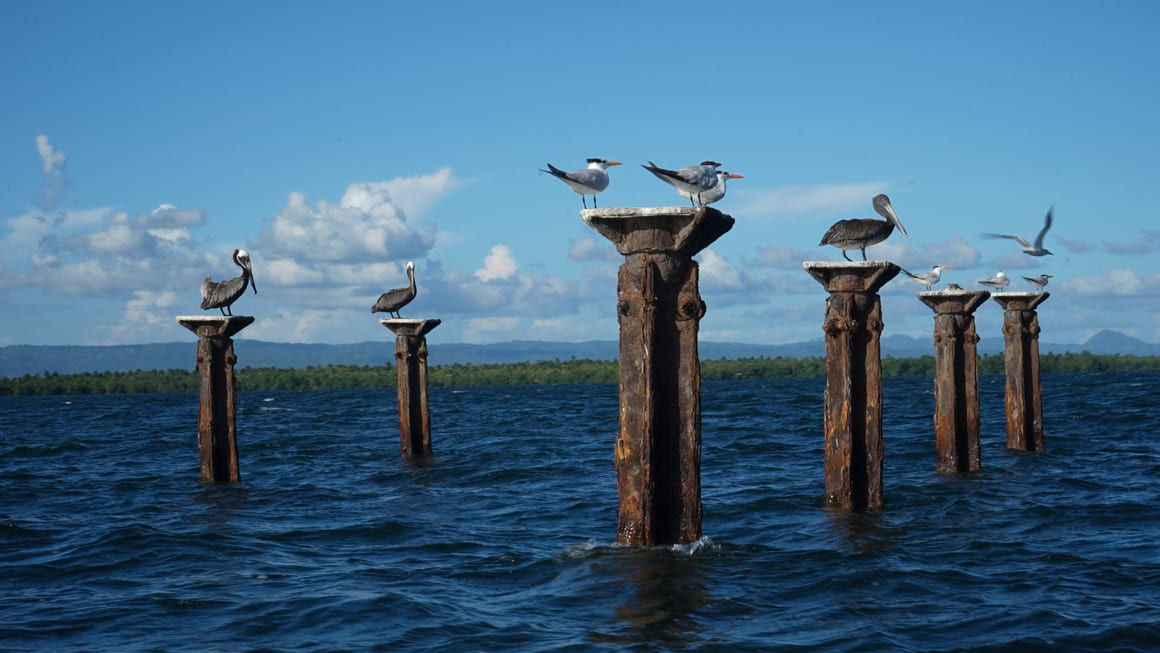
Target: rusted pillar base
{"points": [[956, 378], [659, 308], [853, 398], [1024, 397], [411, 365], [217, 441]]}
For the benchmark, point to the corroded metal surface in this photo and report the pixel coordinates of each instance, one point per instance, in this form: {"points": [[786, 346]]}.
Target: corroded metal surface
{"points": [[411, 366], [853, 396], [956, 382], [217, 440], [1024, 395], [659, 308]]}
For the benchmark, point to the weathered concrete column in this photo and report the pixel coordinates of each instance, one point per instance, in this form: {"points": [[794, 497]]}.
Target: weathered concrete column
{"points": [[1024, 398], [659, 308], [853, 398], [956, 378], [217, 441], [411, 365]]}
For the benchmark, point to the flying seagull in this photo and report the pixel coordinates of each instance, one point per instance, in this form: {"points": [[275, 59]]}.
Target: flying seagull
{"points": [[1039, 282], [587, 181], [391, 301], [221, 294], [694, 180], [1032, 250], [998, 282], [860, 233], [928, 279]]}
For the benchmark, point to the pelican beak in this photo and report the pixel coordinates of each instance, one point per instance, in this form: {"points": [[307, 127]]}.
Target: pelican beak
{"points": [[253, 284], [894, 218]]}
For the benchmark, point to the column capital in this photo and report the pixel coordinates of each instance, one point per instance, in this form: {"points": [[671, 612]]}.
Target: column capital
{"points": [[668, 229], [413, 327], [215, 325], [954, 301], [1020, 301], [857, 276]]}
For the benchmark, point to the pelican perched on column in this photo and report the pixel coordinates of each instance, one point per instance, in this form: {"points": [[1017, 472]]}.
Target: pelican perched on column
{"points": [[860, 233], [391, 301], [221, 294]]}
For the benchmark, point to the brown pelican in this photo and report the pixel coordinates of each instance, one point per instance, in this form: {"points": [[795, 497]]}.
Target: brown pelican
{"points": [[220, 294], [928, 279], [391, 301], [1029, 249], [1039, 282], [694, 180], [860, 233], [588, 181], [998, 282], [715, 193]]}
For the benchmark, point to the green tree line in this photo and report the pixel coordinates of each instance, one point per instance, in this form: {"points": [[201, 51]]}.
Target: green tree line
{"points": [[332, 377]]}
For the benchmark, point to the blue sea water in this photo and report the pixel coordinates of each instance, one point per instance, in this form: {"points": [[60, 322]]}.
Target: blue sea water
{"points": [[503, 540]]}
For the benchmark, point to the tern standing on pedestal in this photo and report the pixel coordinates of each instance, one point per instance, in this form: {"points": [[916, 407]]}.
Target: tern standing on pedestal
{"points": [[715, 193], [1039, 282], [589, 181], [998, 282], [928, 279], [860, 233], [221, 294], [694, 180]]}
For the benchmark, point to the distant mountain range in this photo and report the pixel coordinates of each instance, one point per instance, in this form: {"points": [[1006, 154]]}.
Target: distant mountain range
{"points": [[18, 360]]}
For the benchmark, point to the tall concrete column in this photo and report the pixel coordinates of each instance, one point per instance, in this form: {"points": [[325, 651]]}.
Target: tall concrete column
{"points": [[659, 308], [956, 379], [1024, 396], [217, 441], [853, 397], [411, 365]]}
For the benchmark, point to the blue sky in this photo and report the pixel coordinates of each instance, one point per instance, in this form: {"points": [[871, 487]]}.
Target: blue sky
{"points": [[141, 142]]}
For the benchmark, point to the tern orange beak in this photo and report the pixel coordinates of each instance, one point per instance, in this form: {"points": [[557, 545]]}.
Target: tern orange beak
{"points": [[733, 176], [614, 163]]}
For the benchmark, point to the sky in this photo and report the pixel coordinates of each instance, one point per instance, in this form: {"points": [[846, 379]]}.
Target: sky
{"points": [[142, 142]]}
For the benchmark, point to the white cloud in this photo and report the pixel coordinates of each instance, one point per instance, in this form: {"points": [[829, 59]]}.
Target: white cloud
{"points": [[416, 194], [366, 225], [488, 329], [796, 201], [1120, 282], [53, 164], [781, 256], [500, 264], [591, 249], [956, 252], [717, 271]]}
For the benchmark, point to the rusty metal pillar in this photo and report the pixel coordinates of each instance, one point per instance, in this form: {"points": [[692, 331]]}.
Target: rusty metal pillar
{"points": [[956, 378], [659, 308], [853, 397], [1024, 397], [411, 365], [217, 441]]}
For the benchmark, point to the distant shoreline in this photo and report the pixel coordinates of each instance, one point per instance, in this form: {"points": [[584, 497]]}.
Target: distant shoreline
{"points": [[342, 377]]}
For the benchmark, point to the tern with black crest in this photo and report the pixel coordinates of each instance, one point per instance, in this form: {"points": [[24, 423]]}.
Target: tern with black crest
{"points": [[586, 181]]}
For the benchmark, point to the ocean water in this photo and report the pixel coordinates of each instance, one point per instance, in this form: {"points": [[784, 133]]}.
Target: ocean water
{"points": [[503, 540]]}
